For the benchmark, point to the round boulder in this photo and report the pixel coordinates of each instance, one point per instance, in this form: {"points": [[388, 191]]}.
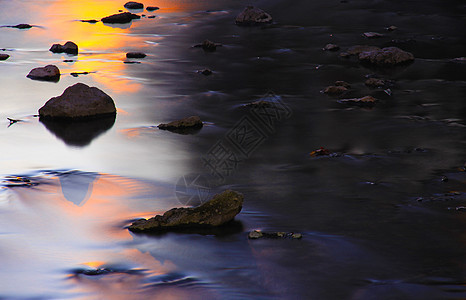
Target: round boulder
{"points": [[49, 73], [78, 101], [133, 5]]}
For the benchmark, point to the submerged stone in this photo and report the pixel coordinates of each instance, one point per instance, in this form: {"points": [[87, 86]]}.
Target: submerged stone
{"points": [[367, 101], [222, 208], [69, 47], [257, 234], [48, 73], [4, 56], [152, 8], [331, 47], [389, 56], [134, 5], [78, 101], [335, 90], [135, 55], [253, 16]]}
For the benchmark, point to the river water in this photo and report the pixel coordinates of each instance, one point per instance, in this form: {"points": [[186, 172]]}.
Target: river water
{"points": [[383, 217]]}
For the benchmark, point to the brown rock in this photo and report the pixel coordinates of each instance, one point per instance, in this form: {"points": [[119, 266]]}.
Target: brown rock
{"points": [[367, 101], [222, 208], [389, 56], [335, 90], [78, 101], [253, 16], [49, 73], [375, 82], [190, 122]]}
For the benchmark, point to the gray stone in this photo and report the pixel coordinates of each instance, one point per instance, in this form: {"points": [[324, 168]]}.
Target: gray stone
{"points": [[134, 5], [78, 101], [253, 16], [331, 47], [222, 208], [49, 73], [121, 18], [189, 122], [372, 35], [4, 56], [389, 56]]}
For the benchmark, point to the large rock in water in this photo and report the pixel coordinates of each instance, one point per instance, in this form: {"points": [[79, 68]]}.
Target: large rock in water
{"points": [[69, 47], [221, 209], [122, 18], [390, 56], [253, 16], [49, 73], [78, 101]]}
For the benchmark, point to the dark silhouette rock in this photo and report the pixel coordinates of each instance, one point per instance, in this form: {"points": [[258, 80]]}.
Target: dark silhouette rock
{"points": [[121, 18], [90, 21], [133, 5], [222, 208], [47, 73], [4, 56], [69, 48], [372, 35], [193, 122], [375, 82], [257, 234], [342, 83], [208, 46], [78, 101], [152, 8], [390, 56], [135, 55], [22, 26], [253, 16]]}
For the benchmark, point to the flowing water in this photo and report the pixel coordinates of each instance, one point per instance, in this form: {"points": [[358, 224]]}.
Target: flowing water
{"points": [[383, 217]]}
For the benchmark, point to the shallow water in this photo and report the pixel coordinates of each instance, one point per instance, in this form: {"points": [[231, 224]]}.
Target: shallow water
{"points": [[382, 218]]}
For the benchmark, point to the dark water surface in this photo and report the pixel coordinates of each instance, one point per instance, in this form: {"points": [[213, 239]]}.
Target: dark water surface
{"points": [[382, 218]]}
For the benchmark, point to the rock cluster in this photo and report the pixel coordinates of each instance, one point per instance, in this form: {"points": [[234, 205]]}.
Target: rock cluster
{"points": [[69, 48]]}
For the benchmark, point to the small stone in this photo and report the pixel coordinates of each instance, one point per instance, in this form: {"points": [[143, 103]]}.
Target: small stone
{"points": [[320, 152], [372, 35], [48, 73], [392, 28], [253, 16], [208, 46], [331, 47], [375, 82], [135, 55], [22, 26], [444, 179], [4, 56], [356, 50], [90, 21], [190, 122], [133, 5], [389, 56], [297, 235], [121, 18], [206, 72], [367, 101], [256, 234], [335, 90], [151, 17], [152, 8], [342, 83]]}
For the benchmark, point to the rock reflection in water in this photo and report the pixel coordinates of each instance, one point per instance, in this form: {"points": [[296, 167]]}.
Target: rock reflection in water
{"points": [[79, 133], [77, 186]]}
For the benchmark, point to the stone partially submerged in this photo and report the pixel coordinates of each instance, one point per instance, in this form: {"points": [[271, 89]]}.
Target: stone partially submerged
{"points": [[221, 209], [121, 18], [389, 56], [4, 56], [253, 16], [69, 48], [47, 73], [77, 102], [193, 122], [134, 5]]}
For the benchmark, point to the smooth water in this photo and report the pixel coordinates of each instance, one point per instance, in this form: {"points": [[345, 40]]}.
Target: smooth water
{"points": [[382, 218]]}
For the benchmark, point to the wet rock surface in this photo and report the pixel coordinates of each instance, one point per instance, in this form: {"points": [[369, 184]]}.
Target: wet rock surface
{"points": [[120, 18], [331, 47], [367, 101], [335, 90], [208, 46], [221, 209], [47, 73], [78, 101], [4, 56], [152, 8], [193, 122], [253, 16], [389, 56], [69, 48]]}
